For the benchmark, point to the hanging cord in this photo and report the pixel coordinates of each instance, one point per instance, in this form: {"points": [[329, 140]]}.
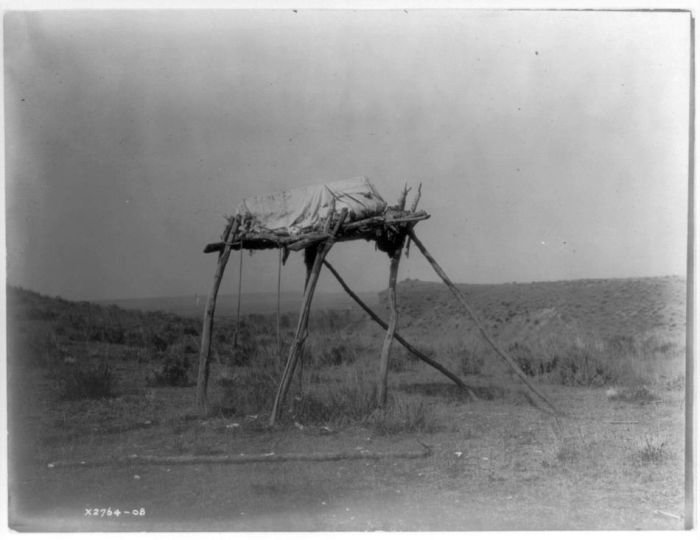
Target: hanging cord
{"points": [[279, 285], [238, 308]]}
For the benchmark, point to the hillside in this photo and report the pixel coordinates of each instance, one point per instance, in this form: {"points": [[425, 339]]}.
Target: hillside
{"points": [[603, 307], [227, 304]]}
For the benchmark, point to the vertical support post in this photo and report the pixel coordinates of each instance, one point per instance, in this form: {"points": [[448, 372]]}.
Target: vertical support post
{"points": [[208, 325], [279, 330], [238, 302], [391, 330], [310, 255], [302, 325], [395, 256], [410, 348]]}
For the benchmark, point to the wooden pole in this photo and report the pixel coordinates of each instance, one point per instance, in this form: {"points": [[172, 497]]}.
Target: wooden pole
{"points": [[238, 300], [395, 255], [297, 345], [208, 325], [302, 325], [391, 330], [279, 287], [414, 206], [398, 337], [460, 297], [310, 254]]}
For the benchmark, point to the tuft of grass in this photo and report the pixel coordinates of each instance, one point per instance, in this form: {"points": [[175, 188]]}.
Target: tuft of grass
{"points": [[174, 371], [637, 394], [334, 354], [341, 405], [251, 391], [578, 450], [405, 416], [76, 382], [652, 451]]}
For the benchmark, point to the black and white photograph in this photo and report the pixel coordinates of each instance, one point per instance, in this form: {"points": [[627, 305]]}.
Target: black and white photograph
{"points": [[302, 269]]}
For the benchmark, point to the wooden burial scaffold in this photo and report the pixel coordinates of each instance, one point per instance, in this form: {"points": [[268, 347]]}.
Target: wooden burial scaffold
{"points": [[313, 221]]}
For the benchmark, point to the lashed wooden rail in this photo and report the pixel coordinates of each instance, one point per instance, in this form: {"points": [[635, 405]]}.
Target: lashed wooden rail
{"points": [[356, 230], [460, 297], [239, 459]]}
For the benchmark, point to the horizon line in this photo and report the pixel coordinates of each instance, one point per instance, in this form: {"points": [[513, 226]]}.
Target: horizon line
{"points": [[287, 291]]}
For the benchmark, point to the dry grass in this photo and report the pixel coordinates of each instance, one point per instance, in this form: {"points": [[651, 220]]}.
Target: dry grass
{"points": [[405, 415], [615, 459], [92, 381], [652, 450]]}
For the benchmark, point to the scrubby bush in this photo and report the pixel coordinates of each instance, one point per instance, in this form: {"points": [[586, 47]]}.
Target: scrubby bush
{"points": [[354, 400], [470, 361], [336, 355], [588, 360], [533, 363], [339, 405], [636, 394], [652, 451], [580, 367], [158, 343], [245, 349], [85, 382], [40, 313], [190, 330], [404, 416], [251, 391], [331, 350], [175, 370]]}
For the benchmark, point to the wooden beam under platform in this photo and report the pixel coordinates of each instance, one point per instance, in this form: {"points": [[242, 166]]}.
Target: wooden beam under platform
{"points": [[365, 229]]}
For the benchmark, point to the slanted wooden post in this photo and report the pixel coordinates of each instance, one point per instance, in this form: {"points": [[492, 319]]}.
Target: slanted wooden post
{"points": [[302, 325], [208, 325], [460, 297], [410, 348]]}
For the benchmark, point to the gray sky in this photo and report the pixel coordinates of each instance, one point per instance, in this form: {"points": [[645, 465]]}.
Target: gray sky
{"points": [[551, 145]]}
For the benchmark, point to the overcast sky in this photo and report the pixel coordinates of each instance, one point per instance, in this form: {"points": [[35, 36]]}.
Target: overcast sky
{"points": [[550, 145]]}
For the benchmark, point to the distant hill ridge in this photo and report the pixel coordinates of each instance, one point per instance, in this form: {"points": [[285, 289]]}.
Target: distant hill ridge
{"points": [[625, 306], [609, 307], [227, 304]]}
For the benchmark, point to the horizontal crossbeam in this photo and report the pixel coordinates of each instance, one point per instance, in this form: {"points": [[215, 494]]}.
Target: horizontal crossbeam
{"points": [[364, 229]]}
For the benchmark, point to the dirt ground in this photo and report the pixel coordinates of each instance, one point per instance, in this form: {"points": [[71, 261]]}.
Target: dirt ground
{"points": [[496, 464]]}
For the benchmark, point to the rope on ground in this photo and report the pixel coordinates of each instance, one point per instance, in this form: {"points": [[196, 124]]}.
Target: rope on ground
{"points": [[228, 459]]}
